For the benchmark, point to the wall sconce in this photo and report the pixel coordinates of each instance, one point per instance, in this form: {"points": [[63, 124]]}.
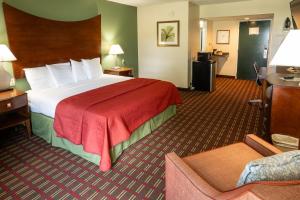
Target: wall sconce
{"points": [[287, 24]]}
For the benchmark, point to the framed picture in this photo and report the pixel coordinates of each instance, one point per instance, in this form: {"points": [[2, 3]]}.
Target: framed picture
{"points": [[168, 33], [223, 36]]}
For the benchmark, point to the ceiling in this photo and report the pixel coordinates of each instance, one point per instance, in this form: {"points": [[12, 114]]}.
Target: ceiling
{"points": [[151, 2], [243, 17]]}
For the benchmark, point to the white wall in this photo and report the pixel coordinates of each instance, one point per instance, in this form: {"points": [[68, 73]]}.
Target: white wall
{"points": [[194, 36], [165, 63], [280, 9], [209, 38], [226, 66]]}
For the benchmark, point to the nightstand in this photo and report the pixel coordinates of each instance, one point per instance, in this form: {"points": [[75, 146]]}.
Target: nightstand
{"points": [[14, 110], [122, 71]]}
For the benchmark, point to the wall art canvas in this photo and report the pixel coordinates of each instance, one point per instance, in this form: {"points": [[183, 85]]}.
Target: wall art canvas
{"points": [[223, 36], [168, 33]]}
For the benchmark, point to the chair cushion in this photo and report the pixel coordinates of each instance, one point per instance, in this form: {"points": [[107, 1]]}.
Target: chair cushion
{"points": [[222, 167], [280, 167]]}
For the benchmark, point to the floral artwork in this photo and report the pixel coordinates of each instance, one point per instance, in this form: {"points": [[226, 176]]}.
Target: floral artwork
{"points": [[168, 33]]}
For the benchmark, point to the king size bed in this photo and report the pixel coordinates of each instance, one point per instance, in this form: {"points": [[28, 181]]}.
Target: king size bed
{"points": [[96, 117]]}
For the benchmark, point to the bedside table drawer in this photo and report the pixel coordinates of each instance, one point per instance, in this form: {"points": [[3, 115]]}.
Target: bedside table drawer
{"points": [[112, 72], [126, 73], [14, 103]]}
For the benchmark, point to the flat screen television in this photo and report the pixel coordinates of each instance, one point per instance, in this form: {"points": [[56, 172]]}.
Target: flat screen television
{"points": [[295, 9]]}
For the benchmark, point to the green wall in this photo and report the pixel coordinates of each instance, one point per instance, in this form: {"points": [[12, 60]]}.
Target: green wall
{"points": [[119, 23]]}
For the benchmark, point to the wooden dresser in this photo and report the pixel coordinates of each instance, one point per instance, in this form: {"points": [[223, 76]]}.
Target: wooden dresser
{"points": [[285, 110], [14, 110], [282, 113]]}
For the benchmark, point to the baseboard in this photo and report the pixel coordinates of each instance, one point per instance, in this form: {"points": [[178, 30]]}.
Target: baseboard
{"points": [[225, 76], [183, 89]]}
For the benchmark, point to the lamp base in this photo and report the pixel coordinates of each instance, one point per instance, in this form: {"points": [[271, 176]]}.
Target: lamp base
{"points": [[116, 67], [5, 79]]}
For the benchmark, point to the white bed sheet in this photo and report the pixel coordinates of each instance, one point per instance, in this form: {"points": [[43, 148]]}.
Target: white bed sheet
{"points": [[45, 101]]}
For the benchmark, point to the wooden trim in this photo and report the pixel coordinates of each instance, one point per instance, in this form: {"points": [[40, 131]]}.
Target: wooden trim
{"points": [[225, 76], [36, 41]]}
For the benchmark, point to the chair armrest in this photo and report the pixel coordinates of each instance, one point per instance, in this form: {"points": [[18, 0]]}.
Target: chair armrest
{"points": [[277, 191], [182, 182], [238, 195], [263, 190], [261, 146]]}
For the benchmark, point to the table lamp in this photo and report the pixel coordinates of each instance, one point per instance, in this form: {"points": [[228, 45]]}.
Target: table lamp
{"points": [[288, 52], [5, 56], [116, 50]]}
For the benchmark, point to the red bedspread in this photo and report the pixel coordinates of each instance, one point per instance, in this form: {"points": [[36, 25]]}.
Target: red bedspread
{"points": [[102, 118]]}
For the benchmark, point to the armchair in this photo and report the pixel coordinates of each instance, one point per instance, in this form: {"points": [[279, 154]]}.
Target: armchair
{"points": [[214, 174]]}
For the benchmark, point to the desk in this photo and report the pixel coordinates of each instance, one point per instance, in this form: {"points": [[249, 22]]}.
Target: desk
{"points": [[274, 76], [224, 55], [284, 105]]}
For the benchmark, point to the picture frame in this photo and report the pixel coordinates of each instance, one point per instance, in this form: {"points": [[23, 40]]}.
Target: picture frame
{"points": [[168, 33], [223, 37]]}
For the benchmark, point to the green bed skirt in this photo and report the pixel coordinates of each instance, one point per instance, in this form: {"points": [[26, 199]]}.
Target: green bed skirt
{"points": [[42, 126]]}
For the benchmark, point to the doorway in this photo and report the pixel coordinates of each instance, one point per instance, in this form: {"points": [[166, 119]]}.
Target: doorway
{"points": [[253, 47]]}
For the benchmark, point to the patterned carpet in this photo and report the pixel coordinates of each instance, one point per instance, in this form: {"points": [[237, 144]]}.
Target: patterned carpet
{"points": [[32, 169]]}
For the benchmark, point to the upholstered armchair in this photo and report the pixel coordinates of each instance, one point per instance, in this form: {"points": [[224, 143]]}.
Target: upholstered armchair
{"points": [[214, 174]]}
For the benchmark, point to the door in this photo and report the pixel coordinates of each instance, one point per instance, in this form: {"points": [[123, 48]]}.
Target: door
{"points": [[252, 48]]}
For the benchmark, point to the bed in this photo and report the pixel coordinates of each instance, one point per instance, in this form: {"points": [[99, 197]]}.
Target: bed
{"points": [[48, 42], [43, 104]]}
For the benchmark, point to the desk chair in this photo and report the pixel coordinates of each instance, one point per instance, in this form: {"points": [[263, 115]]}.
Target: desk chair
{"points": [[259, 82]]}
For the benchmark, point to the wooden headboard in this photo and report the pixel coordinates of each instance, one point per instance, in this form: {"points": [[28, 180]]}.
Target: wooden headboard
{"points": [[37, 41]]}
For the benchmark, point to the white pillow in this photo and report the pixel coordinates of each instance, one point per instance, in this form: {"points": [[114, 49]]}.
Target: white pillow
{"points": [[92, 68], [61, 73], [39, 78], [78, 71]]}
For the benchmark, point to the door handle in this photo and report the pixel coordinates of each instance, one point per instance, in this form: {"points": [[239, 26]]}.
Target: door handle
{"points": [[265, 56]]}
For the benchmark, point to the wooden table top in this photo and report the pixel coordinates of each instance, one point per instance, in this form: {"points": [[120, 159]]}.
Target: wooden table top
{"points": [[121, 69], [224, 54], [275, 75], [8, 94]]}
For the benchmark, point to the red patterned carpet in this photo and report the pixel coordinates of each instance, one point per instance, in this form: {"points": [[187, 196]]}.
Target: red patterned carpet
{"points": [[32, 169]]}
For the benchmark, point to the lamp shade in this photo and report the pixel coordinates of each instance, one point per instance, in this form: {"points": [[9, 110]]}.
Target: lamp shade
{"points": [[116, 49], [288, 52], [6, 54]]}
